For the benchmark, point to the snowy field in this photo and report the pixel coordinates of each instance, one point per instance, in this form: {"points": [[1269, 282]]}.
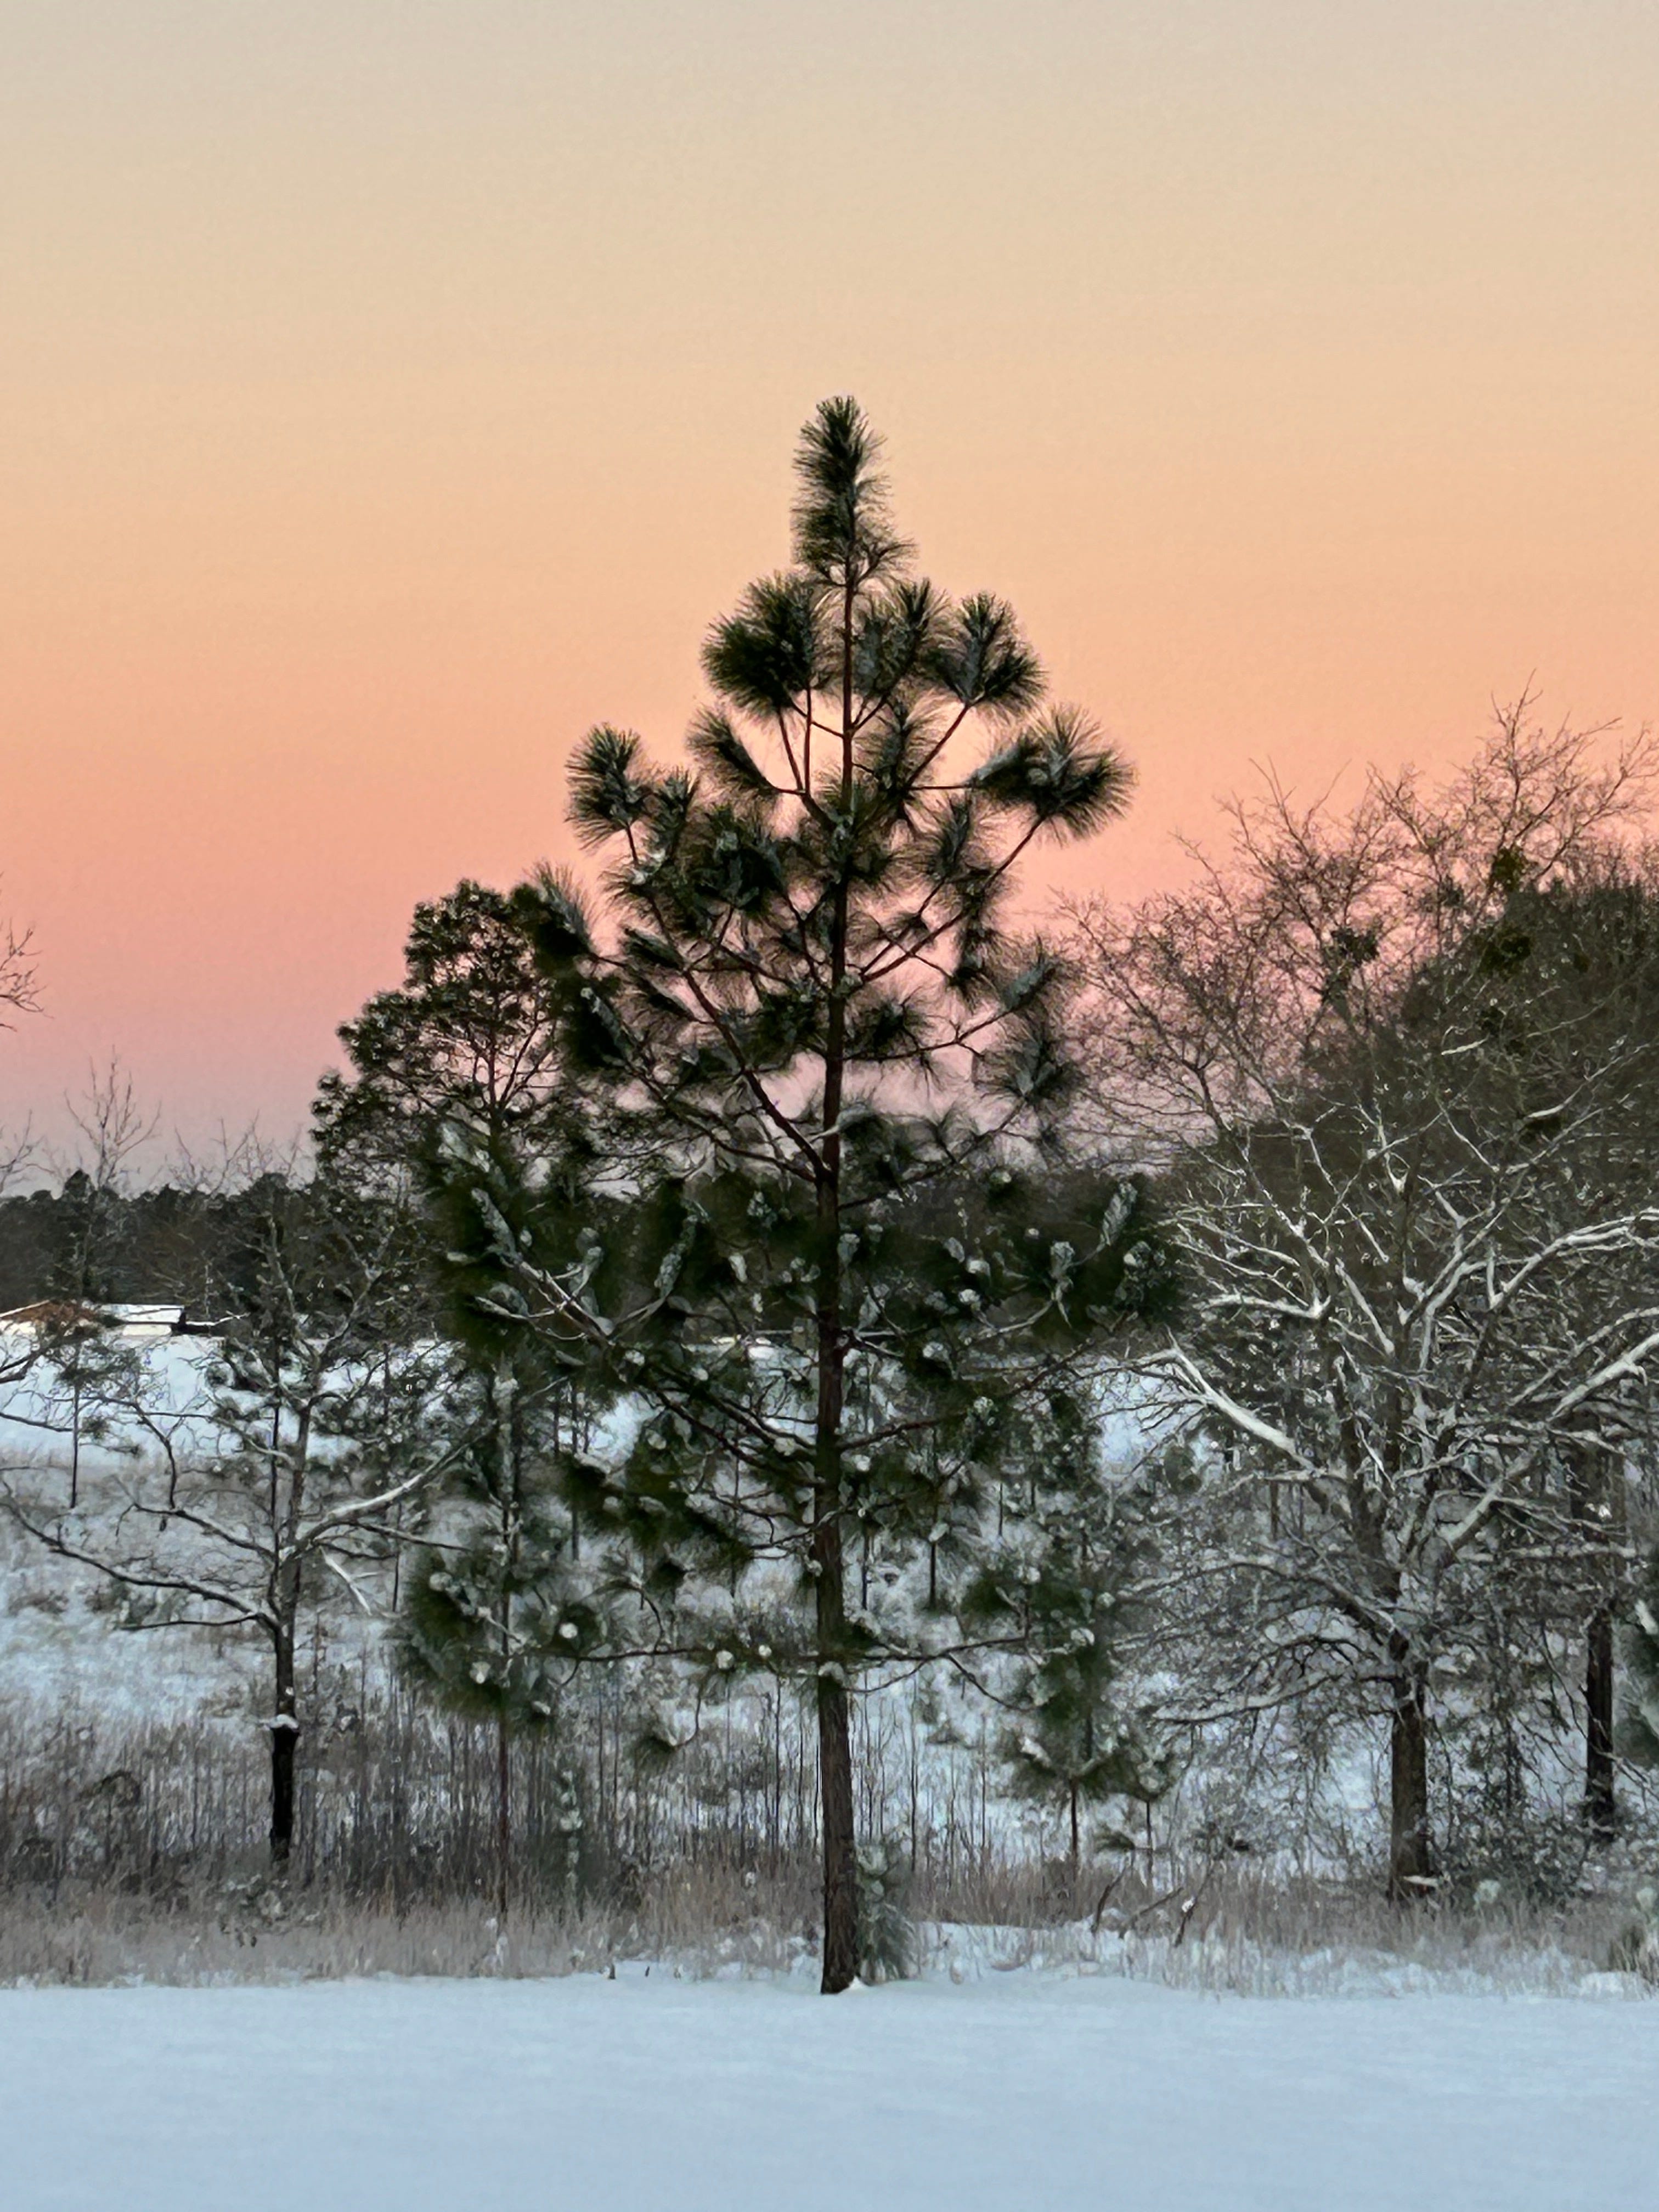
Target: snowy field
{"points": [[652, 2095]]}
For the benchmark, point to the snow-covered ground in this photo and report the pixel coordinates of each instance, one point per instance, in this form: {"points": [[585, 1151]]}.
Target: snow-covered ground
{"points": [[647, 2094]]}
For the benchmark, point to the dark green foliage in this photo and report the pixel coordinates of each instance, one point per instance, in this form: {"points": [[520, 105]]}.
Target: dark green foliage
{"points": [[497, 1618], [190, 1246], [1056, 1591], [456, 1092], [471, 1034], [794, 1193], [843, 536]]}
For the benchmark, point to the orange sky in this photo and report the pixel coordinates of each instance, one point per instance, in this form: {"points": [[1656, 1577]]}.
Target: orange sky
{"points": [[393, 388]]}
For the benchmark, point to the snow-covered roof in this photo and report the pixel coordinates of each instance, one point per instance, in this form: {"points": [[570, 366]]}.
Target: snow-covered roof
{"points": [[136, 1322]]}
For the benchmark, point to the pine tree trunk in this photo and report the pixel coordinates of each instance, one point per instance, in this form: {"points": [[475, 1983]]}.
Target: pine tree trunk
{"points": [[841, 1911], [1597, 1495], [840, 1907], [1600, 1804], [503, 1816], [284, 1744], [840, 1904], [1411, 1858]]}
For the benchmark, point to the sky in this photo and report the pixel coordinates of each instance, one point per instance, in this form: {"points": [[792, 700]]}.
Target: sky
{"points": [[393, 388]]}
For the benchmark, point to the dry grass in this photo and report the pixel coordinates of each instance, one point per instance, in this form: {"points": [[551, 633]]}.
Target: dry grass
{"points": [[134, 1851], [696, 1919], [1247, 1935], [1250, 1932]]}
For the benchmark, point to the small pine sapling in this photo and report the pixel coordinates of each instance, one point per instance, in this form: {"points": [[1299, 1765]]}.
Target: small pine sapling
{"points": [[494, 1619], [887, 1936], [1073, 1740]]}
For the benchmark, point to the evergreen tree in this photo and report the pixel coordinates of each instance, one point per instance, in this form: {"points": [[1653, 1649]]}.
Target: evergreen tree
{"points": [[494, 1619], [469, 1036], [461, 1063], [832, 1072], [458, 1071], [86, 1375], [1072, 1741]]}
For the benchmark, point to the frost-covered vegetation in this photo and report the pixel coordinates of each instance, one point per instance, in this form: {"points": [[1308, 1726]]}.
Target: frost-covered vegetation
{"points": [[790, 1408]]}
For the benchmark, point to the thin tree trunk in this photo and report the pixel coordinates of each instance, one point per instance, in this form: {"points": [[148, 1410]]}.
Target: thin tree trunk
{"points": [[1597, 1495], [503, 1815], [1411, 1858], [1601, 1802], [840, 1912], [285, 1606], [284, 1743], [840, 1909]]}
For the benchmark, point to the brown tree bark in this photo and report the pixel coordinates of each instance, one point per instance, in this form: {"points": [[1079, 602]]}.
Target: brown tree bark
{"points": [[1600, 1800], [840, 1907], [284, 1746], [840, 1903], [1411, 1855]]}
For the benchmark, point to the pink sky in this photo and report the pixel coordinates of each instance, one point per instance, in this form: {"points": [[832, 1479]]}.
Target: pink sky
{"points": [[394, 390]]}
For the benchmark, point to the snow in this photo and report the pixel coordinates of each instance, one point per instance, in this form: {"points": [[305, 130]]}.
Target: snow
{"points": [[647, 2094], [174, 1386], [59, 1657]]}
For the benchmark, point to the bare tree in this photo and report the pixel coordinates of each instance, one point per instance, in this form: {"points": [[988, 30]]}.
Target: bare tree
{"points": [[276, 1473], [20, 990], [1408, 1310], [19, 994]]}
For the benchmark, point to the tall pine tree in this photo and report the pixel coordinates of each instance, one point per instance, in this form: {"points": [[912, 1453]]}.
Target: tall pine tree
{"points": [[831, 1070]]}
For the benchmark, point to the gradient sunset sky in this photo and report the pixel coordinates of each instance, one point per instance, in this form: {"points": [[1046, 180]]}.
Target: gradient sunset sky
{"points": [[393, 390]]}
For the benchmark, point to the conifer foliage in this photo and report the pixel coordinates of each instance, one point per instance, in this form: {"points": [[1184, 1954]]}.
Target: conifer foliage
{"points": [[495, 1616], [1071, 1743], [460, 1066], [829, 1068]]}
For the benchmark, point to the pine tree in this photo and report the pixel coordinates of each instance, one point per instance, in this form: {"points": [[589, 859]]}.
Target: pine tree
{"points": [[88, 1374], [833, 1072], [456, 1079], [1072, 1740], [495, 1617], [470, 1037], [454, 1074]]}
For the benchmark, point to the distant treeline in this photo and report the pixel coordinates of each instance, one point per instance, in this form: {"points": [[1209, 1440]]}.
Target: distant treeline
{"points": [[191, 1247]]}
